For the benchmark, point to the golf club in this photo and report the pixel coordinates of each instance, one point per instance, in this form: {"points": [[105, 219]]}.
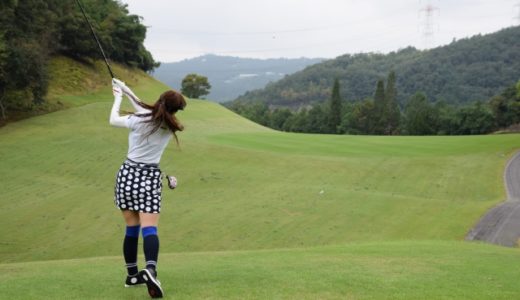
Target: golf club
{"points": [[95, 37]]}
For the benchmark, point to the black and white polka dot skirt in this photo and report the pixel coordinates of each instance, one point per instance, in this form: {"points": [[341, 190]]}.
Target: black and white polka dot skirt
{"points": [[138, 187]]}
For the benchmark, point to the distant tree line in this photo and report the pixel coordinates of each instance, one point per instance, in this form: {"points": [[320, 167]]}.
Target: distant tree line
{"points": [[31, 31], [382, 115]]}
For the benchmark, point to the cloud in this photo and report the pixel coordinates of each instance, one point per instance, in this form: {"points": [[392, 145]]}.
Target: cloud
{"points": [[311, 28]]}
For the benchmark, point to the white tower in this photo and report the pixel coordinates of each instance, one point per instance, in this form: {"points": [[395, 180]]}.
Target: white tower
{"points": [[517, 18], [428, 12]]}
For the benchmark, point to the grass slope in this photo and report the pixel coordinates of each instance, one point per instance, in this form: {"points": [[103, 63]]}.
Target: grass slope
{"points": [[242, 186], [389, 270], [70, 79], [347, 209], [88, 79]]}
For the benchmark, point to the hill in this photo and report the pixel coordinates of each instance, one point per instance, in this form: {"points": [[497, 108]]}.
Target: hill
{"points": [[231, 76], [466, 70], [242, 186], [33, 31], [257, 213]]}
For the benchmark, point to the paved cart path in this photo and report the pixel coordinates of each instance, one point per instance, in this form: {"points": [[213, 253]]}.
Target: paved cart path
{"points": [[501, 225]]}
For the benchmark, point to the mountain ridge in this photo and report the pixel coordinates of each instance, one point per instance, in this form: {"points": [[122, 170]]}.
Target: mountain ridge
{"points": [[463, 71], [231, 76]]}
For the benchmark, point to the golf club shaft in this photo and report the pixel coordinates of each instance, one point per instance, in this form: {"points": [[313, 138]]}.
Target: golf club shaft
{"points": [[96, 38]]}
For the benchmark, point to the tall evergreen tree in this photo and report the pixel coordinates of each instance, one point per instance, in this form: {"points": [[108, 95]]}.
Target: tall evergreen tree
{"points": [[335, 108], [379, 109], [392, 112], [361, 119], [500, 109], [420, 116]]}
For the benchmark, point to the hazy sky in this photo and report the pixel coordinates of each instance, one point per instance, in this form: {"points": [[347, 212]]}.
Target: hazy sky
{"points": [[312, 28]]}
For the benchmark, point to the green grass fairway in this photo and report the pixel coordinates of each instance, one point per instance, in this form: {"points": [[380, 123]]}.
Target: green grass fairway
{"points": [[242, 186], [351, 210], [396, 270]]}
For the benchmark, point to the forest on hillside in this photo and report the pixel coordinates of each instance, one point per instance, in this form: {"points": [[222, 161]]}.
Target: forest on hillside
{"points": [[382, 114], [464, 71], [32, 31]]}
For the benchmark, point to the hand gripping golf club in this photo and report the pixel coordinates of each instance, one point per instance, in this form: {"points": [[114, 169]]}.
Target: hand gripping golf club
{"points": [[96, 38]]}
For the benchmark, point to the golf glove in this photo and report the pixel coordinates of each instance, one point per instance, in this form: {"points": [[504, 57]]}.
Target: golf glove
{"points": [[124, 88], [116, 90], [118, 82]]}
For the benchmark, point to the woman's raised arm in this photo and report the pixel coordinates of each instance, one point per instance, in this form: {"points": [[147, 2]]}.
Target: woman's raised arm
{"points": [[131, 96], [115, 118]]}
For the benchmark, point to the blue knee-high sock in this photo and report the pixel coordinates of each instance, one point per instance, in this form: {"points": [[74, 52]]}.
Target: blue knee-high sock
{"points": [[150, 246], [130, 249]]}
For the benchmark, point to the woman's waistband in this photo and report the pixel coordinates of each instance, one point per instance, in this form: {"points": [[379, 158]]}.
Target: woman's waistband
{"points": [[135, 164]]}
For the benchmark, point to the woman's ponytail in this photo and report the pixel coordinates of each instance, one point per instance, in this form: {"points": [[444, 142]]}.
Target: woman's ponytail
{"points": [[163, 113]]}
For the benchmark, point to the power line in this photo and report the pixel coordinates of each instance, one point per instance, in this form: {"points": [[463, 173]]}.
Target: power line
{"points": [[389, 31], [163, 30]]}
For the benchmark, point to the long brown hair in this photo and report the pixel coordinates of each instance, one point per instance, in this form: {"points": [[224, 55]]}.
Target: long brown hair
{"points": [[163, 112]]}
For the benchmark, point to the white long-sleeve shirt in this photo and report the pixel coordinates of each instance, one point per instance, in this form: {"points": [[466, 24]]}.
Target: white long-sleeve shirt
{"points": [[141, 147]]}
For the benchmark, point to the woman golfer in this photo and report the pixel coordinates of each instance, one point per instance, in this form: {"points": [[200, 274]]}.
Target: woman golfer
{"points": [[138, 183]]}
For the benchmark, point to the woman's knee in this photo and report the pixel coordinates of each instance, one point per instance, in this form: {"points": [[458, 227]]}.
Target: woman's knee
{"points": [[148, 219], [131, 217]]}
